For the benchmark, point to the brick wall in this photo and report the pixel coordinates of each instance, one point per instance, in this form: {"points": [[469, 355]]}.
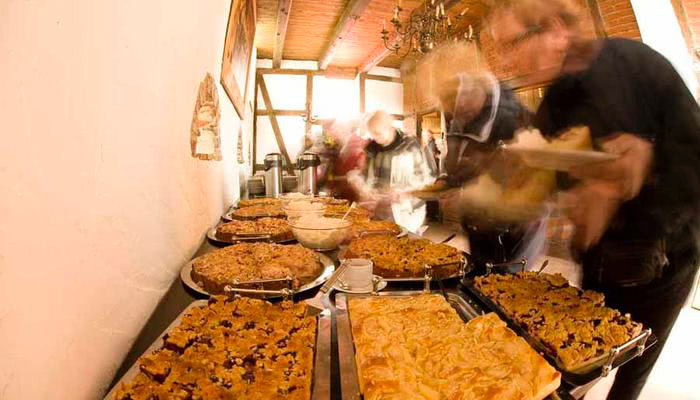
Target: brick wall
{"points": [[618, 18], [688, 13]]}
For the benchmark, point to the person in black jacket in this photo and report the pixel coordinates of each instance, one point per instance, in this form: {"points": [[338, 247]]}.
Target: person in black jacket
{"points": [[637, 217]]}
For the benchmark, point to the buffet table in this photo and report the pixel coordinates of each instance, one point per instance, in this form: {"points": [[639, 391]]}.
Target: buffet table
{"points": [[178, 297]]}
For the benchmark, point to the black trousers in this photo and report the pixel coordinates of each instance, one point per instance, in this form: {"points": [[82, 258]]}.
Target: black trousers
{"points": [[657, 306]]}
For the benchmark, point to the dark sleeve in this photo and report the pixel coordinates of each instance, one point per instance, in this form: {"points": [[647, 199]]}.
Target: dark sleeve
{"points": [[676, 173]]}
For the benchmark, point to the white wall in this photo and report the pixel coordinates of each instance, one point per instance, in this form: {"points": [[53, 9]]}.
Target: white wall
{"points": [[332, 98], [101, 201], [659, 27]]}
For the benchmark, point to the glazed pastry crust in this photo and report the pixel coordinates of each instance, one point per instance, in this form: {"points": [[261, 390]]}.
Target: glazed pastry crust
{"points": [[419, 348]]}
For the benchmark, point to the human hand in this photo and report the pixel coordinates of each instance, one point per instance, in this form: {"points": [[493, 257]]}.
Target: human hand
{"points": [[590, 207], [626, 174]]}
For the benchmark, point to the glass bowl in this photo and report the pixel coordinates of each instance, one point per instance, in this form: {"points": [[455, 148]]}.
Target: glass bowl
{"points": [[308, 232]]}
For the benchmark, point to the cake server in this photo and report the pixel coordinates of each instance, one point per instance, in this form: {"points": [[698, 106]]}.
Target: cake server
{"points": [[321, 300]]}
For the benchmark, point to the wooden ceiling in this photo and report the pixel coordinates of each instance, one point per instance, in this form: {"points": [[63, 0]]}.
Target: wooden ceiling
{"points": [[342, 33]]}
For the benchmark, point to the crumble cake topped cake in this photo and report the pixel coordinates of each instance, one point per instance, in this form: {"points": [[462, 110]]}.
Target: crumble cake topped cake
{"points": [[574, 325], [231, 348], [254, 261]]}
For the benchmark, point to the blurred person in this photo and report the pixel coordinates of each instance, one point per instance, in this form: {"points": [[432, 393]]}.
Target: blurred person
{"points": [[341, 150], [394, 166], [430, 151], [479, 113], [636, 217]]}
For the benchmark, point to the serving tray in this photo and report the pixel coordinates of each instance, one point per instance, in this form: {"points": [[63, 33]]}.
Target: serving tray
{"points": [[326, 271], [321, 381], [349, 383], [585, 373]]}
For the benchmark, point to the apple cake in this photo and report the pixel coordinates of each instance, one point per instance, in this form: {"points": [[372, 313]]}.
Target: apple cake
{"points": [[403, 257], [258, 211], [574, 325], [263, 201], [419, 347], [382, 227], [244, 262], [231, 348], [277, 228]]}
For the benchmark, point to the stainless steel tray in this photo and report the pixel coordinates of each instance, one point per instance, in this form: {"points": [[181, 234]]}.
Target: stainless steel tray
{"points": [[585, 373], [326, 272], [349, 386], [321, 385], [211, 235]]}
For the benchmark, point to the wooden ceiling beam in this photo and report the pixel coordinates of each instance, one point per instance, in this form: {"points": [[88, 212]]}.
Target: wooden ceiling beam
{"points": [[381, 52], [283, 10], [351, 14]]}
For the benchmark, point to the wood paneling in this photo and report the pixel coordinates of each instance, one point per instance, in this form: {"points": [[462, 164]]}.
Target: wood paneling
{"points": [[352, 13], [314, 26]]}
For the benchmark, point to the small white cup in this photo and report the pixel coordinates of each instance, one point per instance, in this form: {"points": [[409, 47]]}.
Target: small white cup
{"points": [[358, 275]]}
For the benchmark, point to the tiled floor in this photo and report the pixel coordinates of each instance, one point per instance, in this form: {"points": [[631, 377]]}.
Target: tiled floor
{"points": [[676, 375]]}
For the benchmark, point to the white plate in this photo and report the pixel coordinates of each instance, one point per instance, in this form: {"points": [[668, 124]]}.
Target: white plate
{"points": [[381, 285], [559, 160]]}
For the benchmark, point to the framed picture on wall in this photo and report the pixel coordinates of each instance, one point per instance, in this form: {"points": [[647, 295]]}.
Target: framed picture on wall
{"points": [[238, 49]]}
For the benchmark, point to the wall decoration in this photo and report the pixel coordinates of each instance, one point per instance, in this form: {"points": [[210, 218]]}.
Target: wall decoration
{"points": [[204, 132], [238, 49], [239, 152]]}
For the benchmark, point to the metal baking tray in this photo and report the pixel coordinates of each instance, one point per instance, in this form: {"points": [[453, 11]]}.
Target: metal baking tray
{"points": [[211, 235], [328, 266], [349, 383], [321, 381], [585, 373]]}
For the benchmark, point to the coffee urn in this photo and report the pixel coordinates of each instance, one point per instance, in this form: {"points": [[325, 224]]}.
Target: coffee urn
{"points": [[308, 176], [273, 175]]}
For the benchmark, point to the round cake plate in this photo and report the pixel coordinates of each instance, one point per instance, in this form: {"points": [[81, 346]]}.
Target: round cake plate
{"points": [[211, 235], [327, 269], [459, 274], [342, 288]]}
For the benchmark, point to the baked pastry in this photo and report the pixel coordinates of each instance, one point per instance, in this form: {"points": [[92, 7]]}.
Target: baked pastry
{"points": [[244, 262], [419, 348], [357, 213], [573, 325], [264, 201], [379, 227], [258, 211], [236, 348], [277, 228], [330, 201], [403, 257]]}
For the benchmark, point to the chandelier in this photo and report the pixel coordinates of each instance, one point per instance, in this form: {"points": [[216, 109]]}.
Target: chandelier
{"points": [[423, 31]]}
